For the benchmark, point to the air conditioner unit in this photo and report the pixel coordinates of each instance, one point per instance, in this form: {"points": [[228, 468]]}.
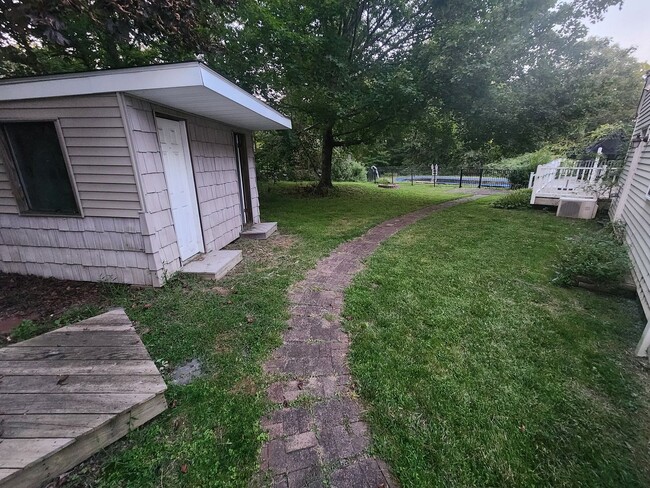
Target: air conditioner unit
{"points": [[577, 208]]}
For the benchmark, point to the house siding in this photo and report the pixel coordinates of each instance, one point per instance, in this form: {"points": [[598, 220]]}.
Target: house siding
{"points": [[85, 249], [107, 243], [215, 173], [636, 206], [97, 148]]}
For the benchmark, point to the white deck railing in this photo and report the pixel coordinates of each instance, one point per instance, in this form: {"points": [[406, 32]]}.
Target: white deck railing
{"points": [[554, 181]]}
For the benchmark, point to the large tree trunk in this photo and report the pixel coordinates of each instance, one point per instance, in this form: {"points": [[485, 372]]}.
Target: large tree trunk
{"points": [[326, 160]]}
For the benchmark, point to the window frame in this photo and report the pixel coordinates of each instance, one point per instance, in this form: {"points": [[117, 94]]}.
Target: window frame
{"points": [[14, 175]]}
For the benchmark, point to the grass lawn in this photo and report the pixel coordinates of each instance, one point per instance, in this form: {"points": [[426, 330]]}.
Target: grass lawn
{"points": [[478, 372], [210, 436]]}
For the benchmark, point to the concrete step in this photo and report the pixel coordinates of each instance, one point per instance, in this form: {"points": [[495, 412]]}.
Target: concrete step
{"points": [[213, 265], [260, 231]]}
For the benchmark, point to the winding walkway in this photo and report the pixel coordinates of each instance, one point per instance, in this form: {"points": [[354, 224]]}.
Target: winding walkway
{"points": [[321, 440]]}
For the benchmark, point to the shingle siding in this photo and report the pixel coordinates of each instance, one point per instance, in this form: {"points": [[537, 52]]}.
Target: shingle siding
{"points": [[215, 174], [86, 249], [105, 245]]}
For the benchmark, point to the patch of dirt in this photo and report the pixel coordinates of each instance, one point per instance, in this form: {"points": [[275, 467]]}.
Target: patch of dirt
{"points": [[223, 342], [270, 252], [246, 386], [24, 297]]}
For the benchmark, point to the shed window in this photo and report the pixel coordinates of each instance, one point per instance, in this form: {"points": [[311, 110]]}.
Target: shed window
{"points": [[41, 172]]}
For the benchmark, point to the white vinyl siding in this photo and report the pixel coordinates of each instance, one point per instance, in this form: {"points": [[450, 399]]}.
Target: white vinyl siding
{"points": [[97, 147]]}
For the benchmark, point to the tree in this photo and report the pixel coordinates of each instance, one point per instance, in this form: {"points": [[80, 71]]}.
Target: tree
{"points": [[351, 69], [46, 36]]}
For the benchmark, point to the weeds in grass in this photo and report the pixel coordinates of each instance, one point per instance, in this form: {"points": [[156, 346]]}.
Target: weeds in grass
{"points": [[599, 258], [516, 199]]}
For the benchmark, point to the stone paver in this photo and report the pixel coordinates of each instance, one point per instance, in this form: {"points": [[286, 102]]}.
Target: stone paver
{"points": [[325, 442]]}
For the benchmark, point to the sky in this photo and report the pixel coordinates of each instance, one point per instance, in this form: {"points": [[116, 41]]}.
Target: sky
{"points": [[629, 26]]}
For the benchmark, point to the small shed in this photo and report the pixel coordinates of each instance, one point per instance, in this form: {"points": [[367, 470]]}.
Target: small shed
{"points": [[125, 175]]}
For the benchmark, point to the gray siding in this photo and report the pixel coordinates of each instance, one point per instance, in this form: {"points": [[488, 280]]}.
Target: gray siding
{"points": [[96, 145], [636, 210], [107, 244], [215, 173], [88, 249]]}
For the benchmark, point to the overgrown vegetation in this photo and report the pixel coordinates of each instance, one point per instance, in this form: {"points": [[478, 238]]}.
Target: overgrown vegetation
{"points": [[515, 199], [477, 371], [30, 328], [598, 258]]}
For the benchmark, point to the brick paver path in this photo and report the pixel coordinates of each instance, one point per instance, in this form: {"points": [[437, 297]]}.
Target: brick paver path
{"points": [[323, 441]]}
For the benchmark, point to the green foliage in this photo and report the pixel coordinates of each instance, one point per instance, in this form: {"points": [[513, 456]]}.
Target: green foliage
{"points": [[515, 199], [528, 161], [346, 168], [460, 345], [75, 35], [598, 258], [521, 166], [31, 328], [286, 155], [486, 155], [26, 330]]}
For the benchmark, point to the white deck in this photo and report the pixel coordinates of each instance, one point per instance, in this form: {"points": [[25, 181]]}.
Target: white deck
{"points": [[551, 182]]}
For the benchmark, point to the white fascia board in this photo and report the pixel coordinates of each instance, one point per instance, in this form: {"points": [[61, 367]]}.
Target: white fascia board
{"points": [[139, 81], [104, 81], [219, 84]]}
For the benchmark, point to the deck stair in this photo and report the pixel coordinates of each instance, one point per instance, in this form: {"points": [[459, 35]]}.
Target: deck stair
{"points": [[71, 392]]}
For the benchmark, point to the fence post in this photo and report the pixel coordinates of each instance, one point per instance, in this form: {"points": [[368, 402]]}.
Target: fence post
{"points": [[460, 180], [480, 177], [411, 175]]}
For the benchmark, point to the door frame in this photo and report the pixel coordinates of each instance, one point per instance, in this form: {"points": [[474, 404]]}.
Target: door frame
{"points": [[243, 173], [187, 152]]}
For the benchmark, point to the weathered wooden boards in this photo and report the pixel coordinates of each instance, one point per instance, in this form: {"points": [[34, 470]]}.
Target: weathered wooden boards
{"points": [[69, 393]]}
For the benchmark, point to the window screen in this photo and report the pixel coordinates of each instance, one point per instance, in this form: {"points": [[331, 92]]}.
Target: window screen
{"points": [[40, 167]]}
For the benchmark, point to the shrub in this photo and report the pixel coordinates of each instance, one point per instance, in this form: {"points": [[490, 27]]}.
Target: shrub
{"points": [[514, 199], [519, 177], [598, 258], [348, 169], [522, 166]]}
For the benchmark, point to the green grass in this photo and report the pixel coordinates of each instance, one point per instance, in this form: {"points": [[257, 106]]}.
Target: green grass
{"points": [[212, 425], [479, 372]]}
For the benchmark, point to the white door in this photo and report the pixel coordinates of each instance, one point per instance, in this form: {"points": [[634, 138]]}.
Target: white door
{"points": [[180, 185]]}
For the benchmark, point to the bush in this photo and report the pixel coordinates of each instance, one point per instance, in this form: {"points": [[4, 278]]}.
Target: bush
{"points": [[348, 169], [597, 258], [522, 166], [514, 199]]}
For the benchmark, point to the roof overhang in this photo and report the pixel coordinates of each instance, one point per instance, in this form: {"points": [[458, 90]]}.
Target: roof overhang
{"points": [[191, 87]]}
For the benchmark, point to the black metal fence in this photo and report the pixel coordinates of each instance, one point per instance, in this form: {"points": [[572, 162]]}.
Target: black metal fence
{"points": [[459, 177]]}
